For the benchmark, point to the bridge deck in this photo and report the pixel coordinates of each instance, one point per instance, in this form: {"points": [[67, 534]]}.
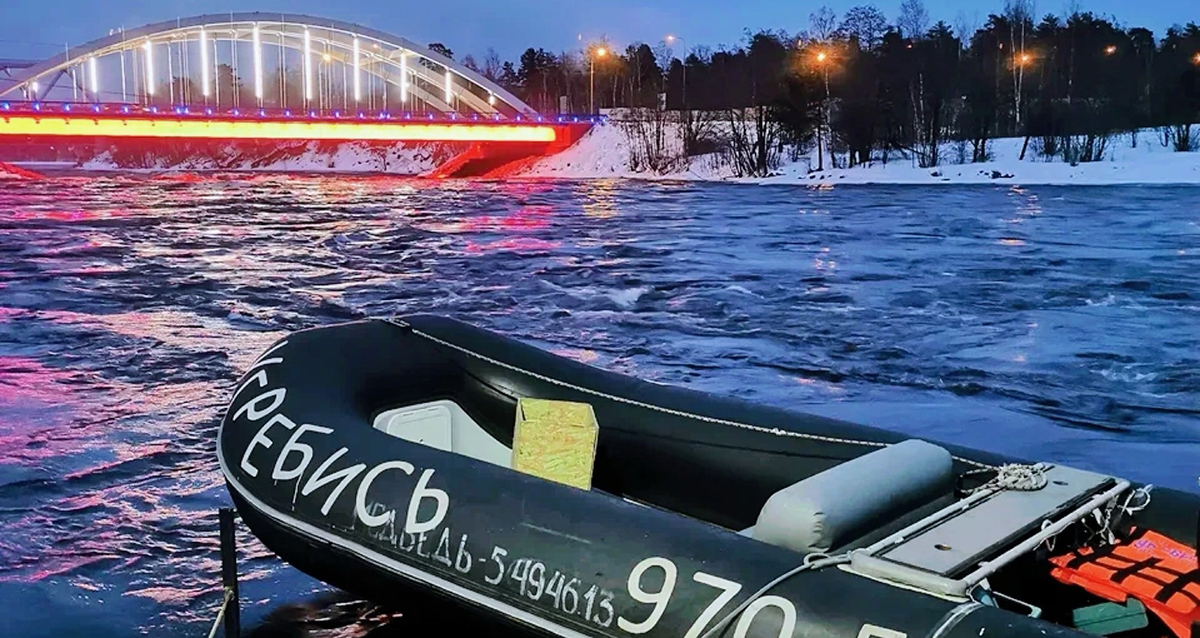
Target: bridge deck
{"points": [[127, 121]]}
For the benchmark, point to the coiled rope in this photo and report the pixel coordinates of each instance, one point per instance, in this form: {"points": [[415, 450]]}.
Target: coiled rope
{"points": [[1013, 476]]}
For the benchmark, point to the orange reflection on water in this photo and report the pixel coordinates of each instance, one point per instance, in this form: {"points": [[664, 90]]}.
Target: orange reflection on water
{"points": [[526, 218], [514, 244], [581, 355]]}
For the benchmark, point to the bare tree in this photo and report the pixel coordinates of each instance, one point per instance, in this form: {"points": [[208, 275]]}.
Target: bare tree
{"points": [[754, 143], [492, 65], [651, 148], [965, 26], [914, 19], [822, 24], [469, 62], [866, 23]]}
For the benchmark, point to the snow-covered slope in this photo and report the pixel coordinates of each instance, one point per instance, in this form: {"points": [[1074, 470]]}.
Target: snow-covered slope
{"points": [[347, 157], [605, 151]]}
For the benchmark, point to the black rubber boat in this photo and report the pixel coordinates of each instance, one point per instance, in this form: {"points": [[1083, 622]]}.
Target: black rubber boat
{"points": [[376, 456]]}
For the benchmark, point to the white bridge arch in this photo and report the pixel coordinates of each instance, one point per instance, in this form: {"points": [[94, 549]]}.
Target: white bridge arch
{"points": [[193, 49]]}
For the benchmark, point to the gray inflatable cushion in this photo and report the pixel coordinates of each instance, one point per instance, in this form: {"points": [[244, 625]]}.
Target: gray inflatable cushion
{"points": [[849, 500]]}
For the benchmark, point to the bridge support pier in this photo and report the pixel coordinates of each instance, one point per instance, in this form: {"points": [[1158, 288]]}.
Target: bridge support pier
{"points": [[494, 160], [19, 172]]}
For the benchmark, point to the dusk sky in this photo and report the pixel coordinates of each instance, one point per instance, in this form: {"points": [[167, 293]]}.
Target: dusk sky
{"points": [[38, 28]]}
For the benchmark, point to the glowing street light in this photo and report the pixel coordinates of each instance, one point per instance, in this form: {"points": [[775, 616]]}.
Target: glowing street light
{"points": [[404, 78], [1196, 58], [599, 53], [307, 67], [357, 73], [671, 39], [1024, 59], [822, 56], [258, 66], [1110, 49], [95, 77], [149, 68], [203, 63]]}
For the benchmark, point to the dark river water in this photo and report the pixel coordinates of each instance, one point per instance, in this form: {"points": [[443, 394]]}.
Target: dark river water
{"points": [[1046, 322]]}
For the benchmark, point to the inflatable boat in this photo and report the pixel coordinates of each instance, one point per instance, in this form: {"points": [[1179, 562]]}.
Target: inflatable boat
{"points": [[378, 457]]}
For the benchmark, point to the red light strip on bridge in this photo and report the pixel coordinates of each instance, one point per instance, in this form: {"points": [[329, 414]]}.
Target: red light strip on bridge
{"points": [[83, 126]]}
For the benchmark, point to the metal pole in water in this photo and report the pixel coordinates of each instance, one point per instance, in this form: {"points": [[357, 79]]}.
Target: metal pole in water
{"points": [[229, 573]]}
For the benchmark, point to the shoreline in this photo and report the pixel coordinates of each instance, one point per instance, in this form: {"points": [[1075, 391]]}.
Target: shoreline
{"points": [[825, 180], [603, 154]]}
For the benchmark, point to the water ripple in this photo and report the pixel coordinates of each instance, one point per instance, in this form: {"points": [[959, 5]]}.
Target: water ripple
{"points": [[1050, 322]]}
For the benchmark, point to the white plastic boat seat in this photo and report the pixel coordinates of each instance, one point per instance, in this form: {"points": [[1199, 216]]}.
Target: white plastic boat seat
{"points": [[430, 425], [847, 501], [444, 425]]}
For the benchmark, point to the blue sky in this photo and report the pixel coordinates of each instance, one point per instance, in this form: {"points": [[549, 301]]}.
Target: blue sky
{"points": [[37, 28]]}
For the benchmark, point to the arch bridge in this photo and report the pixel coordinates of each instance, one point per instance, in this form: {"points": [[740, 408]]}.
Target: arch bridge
{"points": [[267, 60]]}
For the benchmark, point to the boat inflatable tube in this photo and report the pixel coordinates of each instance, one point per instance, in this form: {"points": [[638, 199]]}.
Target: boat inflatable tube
{"points": [[376, 456], [844, 502]]}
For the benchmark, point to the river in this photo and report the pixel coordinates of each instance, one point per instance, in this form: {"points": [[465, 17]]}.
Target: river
{"points": [[1047, 322]]}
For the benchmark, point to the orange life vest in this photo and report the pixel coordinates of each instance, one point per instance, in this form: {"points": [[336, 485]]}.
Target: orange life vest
{"points": [[1154, 569]]}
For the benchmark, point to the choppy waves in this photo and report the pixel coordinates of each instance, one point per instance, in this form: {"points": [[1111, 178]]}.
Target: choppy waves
{"points": [[1051, 322]]}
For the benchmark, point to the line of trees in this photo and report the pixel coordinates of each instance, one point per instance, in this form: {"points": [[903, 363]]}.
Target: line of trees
{"points": [[861, 88]]}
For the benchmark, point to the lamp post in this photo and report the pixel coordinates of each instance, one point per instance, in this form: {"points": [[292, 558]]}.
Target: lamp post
{"points": [[822, 61], [1021, 62], [683, 101], [598, 53], [325, 80]]}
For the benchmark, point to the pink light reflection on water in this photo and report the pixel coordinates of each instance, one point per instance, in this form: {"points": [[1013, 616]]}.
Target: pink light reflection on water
{"points": [[97, 448], [24, 380]]}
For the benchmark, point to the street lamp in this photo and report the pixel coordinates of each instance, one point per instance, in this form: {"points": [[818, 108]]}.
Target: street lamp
{"points": [[671, 40], [1110, 49], [822, 58], [598, 53]]}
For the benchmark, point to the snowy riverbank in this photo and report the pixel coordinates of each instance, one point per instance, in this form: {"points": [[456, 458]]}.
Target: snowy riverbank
{"points": [[307, 157], [605, 151], [401, 159]]}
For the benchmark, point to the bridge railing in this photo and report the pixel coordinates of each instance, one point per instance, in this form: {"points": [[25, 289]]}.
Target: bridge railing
{"points": [[139, 110]]}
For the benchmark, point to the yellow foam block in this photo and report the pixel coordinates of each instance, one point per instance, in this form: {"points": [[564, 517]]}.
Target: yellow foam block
{"points": [[556, 440]]}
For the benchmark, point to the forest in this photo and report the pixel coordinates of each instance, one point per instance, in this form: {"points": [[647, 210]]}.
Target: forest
{"points": [[861, 88]]}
